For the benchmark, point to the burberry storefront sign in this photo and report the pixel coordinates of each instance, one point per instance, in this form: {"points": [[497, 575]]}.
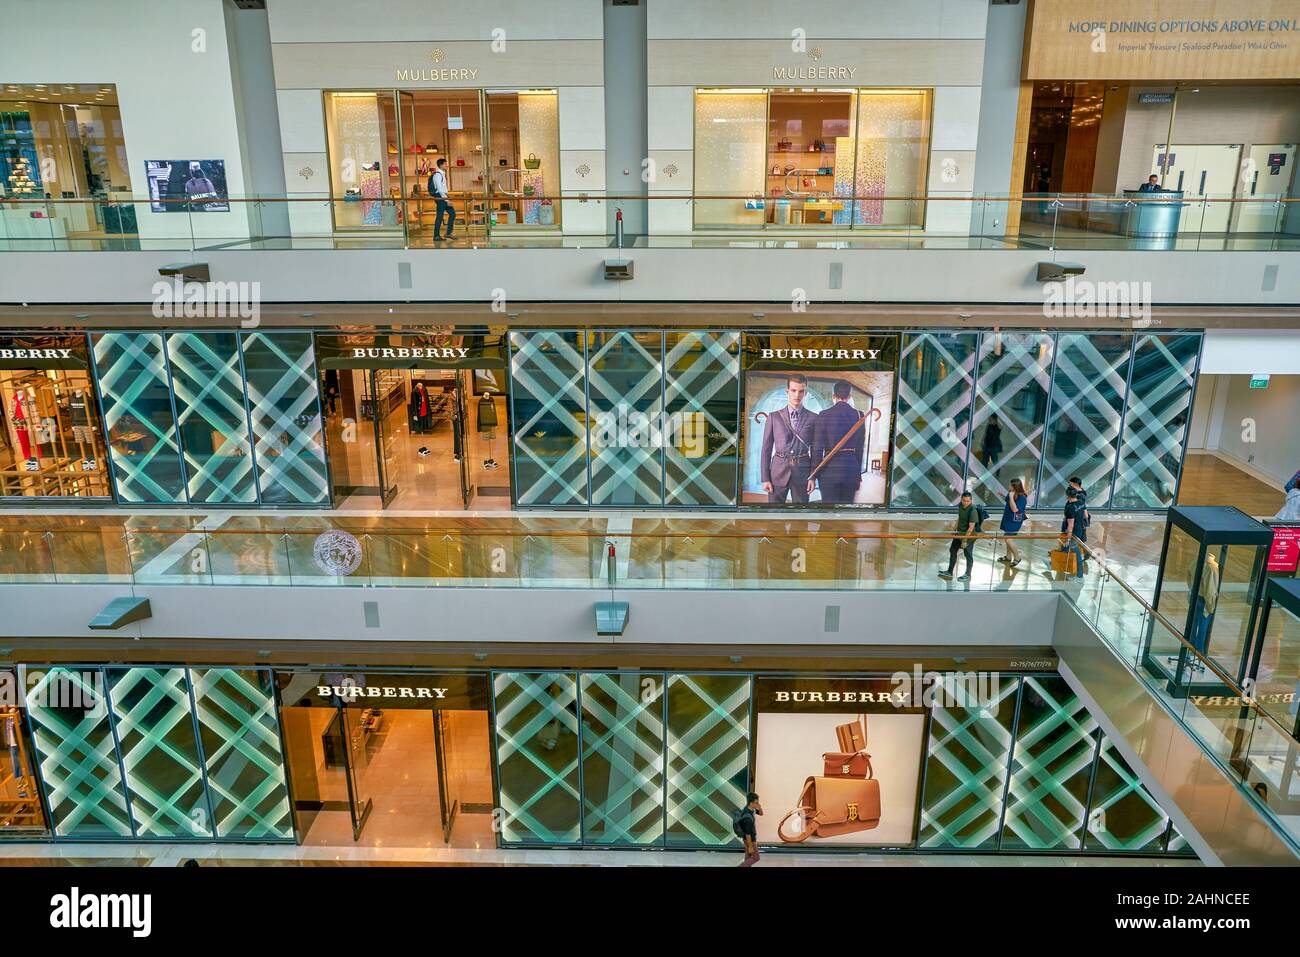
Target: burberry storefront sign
{"points": [[351, 691], [414, 352]]}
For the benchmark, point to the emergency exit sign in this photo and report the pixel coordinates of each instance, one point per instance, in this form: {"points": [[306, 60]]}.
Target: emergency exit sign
{"points": [[1259, 381]]}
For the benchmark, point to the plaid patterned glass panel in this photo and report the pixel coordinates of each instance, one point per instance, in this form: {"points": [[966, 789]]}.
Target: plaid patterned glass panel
{"points": [[1123, 816], [240, 737], [625, 415], [537, 756], [1155, 424], [1015, 375], [966, 768], [548, 394], [701, 393], [708, 756], [143, 446], [77, 755], [1051, 764], [622, 758], [155, 730], [213, 422], [935, 381], [280, 368], [1178, 844], [1083, 424]]}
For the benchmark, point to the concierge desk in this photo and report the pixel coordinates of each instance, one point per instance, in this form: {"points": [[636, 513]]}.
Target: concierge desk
{"points": [[1151, 215]]}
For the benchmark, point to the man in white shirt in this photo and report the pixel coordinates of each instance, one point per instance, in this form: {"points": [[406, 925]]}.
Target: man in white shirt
{"points": [[438, 190]]}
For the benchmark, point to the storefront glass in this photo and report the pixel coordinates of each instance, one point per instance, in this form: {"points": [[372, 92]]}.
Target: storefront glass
{"points": [[789, 157], [625, 412], [52, 440], [622, 758], [502, 153], [1011, 392], [1156, 420], [538, 757], [1083, 426], [391, 760], [21, 813], [131, 368], [935, 390], [61, 141], [702, 401], [708, 756], [284, 407]]}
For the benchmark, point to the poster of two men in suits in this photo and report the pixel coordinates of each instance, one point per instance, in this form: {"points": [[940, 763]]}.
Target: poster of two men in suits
{"points": [[818, 437]]}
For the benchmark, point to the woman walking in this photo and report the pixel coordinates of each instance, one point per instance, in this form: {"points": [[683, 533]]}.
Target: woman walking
{"points": [[1013, 516]]}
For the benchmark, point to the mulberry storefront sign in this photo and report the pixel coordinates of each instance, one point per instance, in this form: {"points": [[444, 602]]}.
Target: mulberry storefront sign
{"points": [[431, 76], [813, 72]]}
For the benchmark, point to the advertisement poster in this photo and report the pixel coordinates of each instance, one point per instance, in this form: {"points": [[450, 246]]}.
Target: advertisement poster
{"points": [[179, 186], [1284, 556], [818, 419], [815, 793]]}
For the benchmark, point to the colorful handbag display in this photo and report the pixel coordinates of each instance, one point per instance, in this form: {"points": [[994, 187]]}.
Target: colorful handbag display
{"points": [[829, 807]]}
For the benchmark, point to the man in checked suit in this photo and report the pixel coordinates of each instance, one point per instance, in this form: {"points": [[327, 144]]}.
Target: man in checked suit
{"points": [[786, 458]]}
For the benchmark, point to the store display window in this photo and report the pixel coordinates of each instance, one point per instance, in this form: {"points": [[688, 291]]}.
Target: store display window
{"points": [[501, 151], [793, 158], [21, 814], [51, 437]]}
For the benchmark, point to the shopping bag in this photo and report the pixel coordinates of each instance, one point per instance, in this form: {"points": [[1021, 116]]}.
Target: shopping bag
{"points": [[1063, 561]]}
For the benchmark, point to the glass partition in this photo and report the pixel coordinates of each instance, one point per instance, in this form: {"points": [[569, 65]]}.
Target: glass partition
{"points": [[365, 176], [730, 151], [523, 158]]}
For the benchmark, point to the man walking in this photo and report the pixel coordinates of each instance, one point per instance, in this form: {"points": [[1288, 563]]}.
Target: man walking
{"points": [[785, 461], [441, 194], [745, 828], [1073, 527], [840, 475], [967, 520]]}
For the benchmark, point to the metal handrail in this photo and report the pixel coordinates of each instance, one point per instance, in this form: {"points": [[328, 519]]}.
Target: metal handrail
{"points": [[575, 196]]}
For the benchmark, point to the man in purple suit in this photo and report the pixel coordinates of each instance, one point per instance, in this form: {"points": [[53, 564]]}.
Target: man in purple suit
{"points": [[788, 435]]}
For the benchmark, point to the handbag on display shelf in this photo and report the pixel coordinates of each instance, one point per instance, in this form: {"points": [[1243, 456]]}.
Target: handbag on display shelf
{"points": [[831, 806]]}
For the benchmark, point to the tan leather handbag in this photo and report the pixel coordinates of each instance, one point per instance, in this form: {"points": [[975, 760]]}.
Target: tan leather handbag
{"points": [[852, 736], [843, 764], [833, 806]]}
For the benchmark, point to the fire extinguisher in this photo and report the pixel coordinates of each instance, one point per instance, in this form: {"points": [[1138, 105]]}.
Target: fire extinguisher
{"points": [[611, 568], [618, 227]]}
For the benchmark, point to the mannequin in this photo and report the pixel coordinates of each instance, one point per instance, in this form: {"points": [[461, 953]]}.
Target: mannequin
{"points": [[9, 734], [421, 414], [20, 427], [487, 426], [1207, 599]]}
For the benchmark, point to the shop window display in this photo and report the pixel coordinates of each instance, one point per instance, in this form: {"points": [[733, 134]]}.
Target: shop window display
{"points": [[21, 814], [793, 158], [501, 151], [51, 438], [62, 141]]}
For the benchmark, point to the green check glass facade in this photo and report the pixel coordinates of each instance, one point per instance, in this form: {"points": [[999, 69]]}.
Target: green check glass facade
{"points": [[160, 754]]}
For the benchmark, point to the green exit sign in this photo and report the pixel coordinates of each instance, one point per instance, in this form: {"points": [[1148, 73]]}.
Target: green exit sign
{"points": [[1259, 382]]}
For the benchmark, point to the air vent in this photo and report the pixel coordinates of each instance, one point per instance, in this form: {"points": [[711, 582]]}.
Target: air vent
{"points": [[251, 4]]}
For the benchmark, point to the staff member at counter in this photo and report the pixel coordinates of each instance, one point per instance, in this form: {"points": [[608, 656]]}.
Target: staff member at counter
{"points": [[1152, 185]]}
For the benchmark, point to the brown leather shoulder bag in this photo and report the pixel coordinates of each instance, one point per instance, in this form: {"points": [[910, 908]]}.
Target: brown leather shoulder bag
{"points": [[832, 806], [852, 736]]}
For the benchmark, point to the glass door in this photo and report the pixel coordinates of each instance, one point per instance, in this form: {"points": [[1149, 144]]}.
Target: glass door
{"points": [[448, 798], [388, 395], [354, 726], [458, 431]]}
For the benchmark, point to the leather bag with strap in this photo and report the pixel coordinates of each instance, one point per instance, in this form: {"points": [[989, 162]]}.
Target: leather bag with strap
{"points": [[847, 764], [852, 736], [831, 806]]}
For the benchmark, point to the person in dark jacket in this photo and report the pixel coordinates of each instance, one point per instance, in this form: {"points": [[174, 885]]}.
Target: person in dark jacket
{"points": [[841, 474], [749, 828]]}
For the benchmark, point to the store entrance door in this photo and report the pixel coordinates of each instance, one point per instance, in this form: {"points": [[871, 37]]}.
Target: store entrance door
{"points": [[389, 763]]}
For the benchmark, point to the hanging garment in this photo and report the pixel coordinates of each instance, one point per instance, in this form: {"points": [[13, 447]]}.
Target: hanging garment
{"points": [[20, 427], [487, 414]]}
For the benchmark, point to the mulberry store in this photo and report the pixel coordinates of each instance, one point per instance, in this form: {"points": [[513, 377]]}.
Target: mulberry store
{"points": [[453, 417], [989, 761]]}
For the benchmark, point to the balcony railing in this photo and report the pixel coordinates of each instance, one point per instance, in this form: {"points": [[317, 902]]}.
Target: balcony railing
{"points": [[937, 221], [1232, 729]]}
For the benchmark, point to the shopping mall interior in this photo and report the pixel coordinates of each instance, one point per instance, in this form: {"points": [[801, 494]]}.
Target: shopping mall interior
{"points": [[644, 433]]}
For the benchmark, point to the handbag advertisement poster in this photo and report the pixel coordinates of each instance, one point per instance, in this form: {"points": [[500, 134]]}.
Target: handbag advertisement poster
{"points": [[837, 762]]}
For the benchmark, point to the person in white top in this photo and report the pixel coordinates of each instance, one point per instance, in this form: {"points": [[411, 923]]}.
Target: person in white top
{"points": [[438, 190]]}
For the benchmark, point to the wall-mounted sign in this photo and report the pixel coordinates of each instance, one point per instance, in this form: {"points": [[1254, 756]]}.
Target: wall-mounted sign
{"points": [[431, 350], [1155, 98], [1259, 380], [813, 72], [432, 76], [43, 352], [1163, 40], [455, 691]]}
